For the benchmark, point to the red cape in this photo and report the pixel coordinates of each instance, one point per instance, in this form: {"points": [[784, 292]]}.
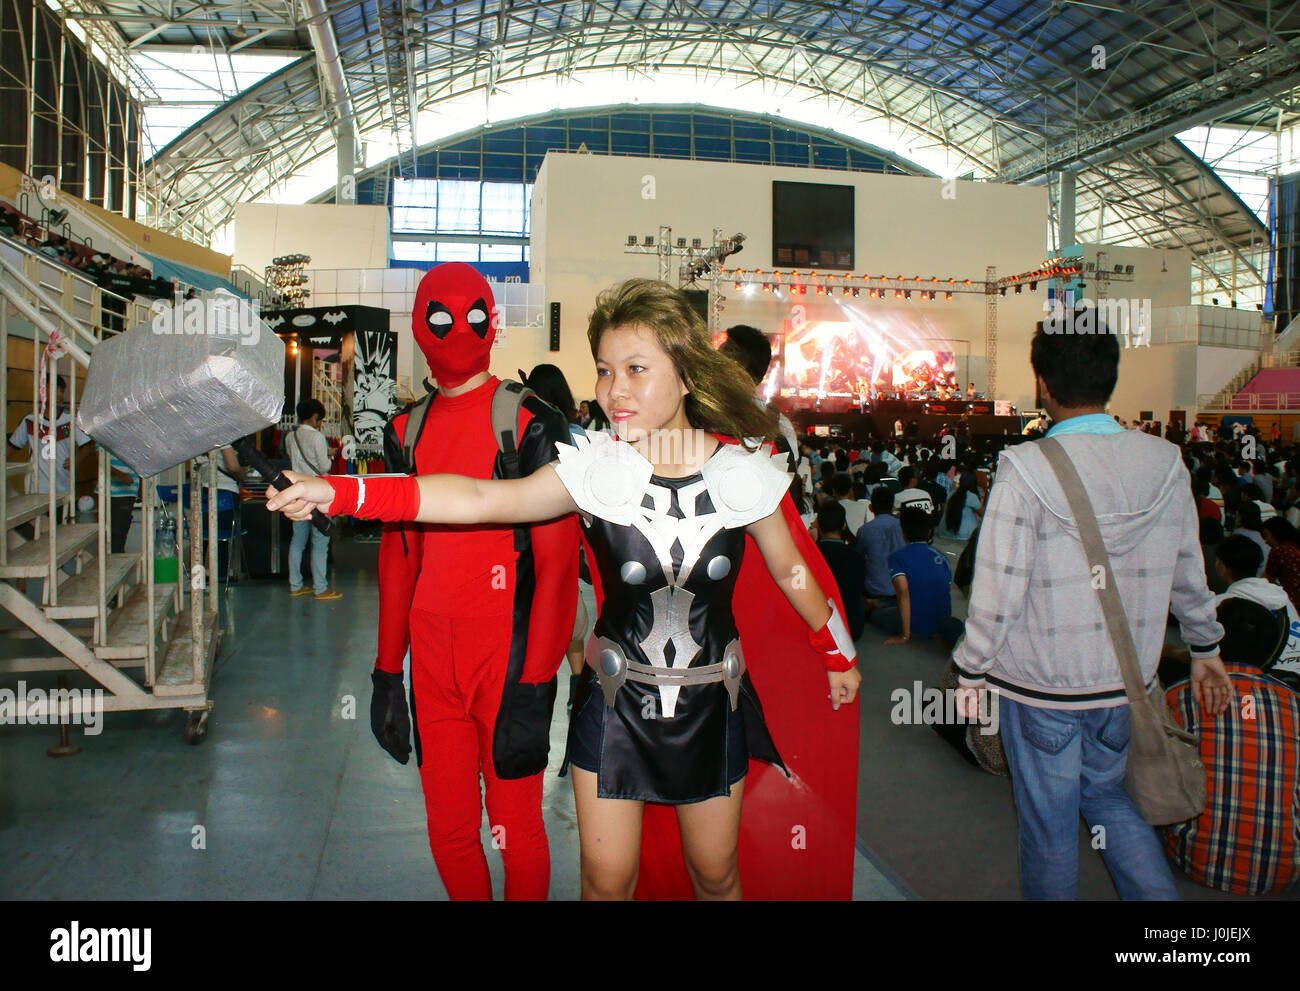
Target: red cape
{"points": [[797, 835]]}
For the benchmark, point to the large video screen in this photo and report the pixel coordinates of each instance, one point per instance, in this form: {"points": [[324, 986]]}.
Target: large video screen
{"points": [[840, 359], [812, 225]]}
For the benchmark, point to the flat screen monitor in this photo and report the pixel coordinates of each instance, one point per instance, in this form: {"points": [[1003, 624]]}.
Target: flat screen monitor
{"points": [[812, 225]]}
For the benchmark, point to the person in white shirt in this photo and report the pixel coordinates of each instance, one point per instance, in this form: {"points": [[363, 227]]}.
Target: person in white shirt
{"points": [[911, 495], [855, 513], [51, 450], [309, 454]]}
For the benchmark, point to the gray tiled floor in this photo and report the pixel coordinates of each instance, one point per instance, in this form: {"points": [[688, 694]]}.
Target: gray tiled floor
{"points": [[294, 800]]}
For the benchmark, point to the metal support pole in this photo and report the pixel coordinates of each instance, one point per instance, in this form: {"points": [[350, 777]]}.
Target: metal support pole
{"points": [[65, 747], [991, 330], [196, 595], [212, 532]]}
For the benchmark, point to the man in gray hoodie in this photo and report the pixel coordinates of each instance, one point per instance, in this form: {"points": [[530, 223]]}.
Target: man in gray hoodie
{"points": [[1036, 633]]}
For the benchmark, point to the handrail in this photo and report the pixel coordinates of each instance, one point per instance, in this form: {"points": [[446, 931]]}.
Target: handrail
{"points": [[1246, 402]]}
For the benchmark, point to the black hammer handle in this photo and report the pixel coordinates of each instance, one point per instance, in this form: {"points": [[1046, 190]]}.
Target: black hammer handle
{"points": [[277, 478]]}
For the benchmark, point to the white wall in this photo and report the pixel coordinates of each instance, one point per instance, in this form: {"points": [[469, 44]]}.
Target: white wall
{"points": [[1215, 367], [1172, 287], [1158, 378], [333, 236], [584, 206]]}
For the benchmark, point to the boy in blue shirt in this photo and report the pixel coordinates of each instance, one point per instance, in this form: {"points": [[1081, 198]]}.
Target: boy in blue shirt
{"points": [[923, 582]]}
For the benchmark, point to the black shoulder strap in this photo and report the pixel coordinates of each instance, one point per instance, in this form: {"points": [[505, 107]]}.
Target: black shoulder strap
{"points": [[415, 415], [506, 404], [507, 401]]}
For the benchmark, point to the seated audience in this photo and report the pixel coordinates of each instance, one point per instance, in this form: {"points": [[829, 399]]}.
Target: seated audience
{"points": [[1283, 563], [835, 543], [923, 582], [878, 538], [1211, 535], [964, 509], [1247, 841], [911, 494], [855, 513], [1249, 525]]}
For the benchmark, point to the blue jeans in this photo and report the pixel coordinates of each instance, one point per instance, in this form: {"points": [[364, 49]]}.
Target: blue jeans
{"points": [[320, 545], [1065, 762]]}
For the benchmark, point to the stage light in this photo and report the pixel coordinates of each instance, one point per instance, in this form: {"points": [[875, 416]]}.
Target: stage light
{"points": [[952, 282], [898, 294], [1018, 287], [934, 278], [871, 293], [845, 291], [695, 242], [767, 287], [968, 282], [1003, 291], [649, 241], [948, 297], [907, 294], [1033, 286], [855, 292], [631, 240], [738, 287]]}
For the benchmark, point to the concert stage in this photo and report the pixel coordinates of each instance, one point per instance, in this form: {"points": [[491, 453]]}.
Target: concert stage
{"points": [[878, 424]]}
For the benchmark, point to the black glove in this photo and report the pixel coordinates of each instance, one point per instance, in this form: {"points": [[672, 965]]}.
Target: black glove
{"points": [[390, 719]]}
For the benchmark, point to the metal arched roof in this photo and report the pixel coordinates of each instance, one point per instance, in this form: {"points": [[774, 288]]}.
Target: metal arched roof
{"points": [[998, 89]]}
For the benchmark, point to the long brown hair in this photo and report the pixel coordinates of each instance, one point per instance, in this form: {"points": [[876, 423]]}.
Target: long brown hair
{"points": [[721, 397]]}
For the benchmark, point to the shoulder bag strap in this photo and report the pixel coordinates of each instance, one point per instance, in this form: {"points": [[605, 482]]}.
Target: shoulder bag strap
{"points": [[1112, 606]]}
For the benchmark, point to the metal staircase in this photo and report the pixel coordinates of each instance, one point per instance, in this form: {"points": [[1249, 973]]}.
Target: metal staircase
{"points": [[107, 616]]}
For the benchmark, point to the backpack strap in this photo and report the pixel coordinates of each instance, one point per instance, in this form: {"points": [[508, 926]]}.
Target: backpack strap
{"points": [[415, 415], [507, 401], [506, 404]]}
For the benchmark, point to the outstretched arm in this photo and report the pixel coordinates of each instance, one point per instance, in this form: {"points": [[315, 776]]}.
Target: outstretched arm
{"points": [[426, 499], [827, 631]]}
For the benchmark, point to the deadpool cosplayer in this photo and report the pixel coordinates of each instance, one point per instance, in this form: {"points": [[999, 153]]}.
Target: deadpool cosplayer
{"points": [[486, 611]]}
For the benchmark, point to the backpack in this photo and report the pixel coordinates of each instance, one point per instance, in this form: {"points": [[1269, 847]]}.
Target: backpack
{"points": [[506, 403]]}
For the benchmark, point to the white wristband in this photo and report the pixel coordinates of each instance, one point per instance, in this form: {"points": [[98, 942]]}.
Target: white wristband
{"points": [[840, 634]]}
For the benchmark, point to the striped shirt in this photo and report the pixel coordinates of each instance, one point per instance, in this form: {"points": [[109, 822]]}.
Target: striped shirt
{"points": [[1245, 841]]}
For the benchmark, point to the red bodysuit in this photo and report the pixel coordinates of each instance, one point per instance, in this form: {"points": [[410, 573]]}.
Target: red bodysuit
{"points": [[487, 611]]}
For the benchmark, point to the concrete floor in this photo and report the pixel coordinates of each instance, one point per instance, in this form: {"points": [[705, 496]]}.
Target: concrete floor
{"points": [[297, 801]]}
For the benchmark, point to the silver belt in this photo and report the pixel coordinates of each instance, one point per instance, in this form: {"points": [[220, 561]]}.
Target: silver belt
{"points": [[613, 667]]}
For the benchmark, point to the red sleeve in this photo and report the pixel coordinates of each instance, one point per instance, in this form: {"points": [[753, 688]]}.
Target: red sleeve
{"points": [[401, 551], [399, 569]]}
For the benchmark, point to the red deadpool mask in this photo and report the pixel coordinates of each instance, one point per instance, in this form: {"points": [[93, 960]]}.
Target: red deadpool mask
{"points": [[454, 322]]}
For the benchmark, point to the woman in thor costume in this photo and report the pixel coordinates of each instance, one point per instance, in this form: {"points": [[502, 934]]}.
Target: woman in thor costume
{"points": [[666, 711]]}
